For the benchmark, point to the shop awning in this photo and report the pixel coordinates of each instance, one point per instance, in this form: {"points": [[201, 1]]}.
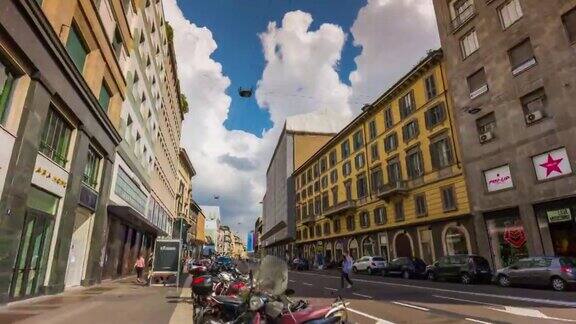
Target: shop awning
{"points": [[133, 217]]}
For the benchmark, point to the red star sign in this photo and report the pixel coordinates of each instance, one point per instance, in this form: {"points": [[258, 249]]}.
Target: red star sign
{"points": [[552, 165]]}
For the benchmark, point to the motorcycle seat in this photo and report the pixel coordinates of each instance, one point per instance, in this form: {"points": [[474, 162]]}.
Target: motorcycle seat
{"points": [[229, 300], [310, 313]]}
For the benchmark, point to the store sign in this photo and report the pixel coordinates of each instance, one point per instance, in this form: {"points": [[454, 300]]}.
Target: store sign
{"points": [[552, 164], [7, 141], [498, 178], [49, 176], [560, 215]]}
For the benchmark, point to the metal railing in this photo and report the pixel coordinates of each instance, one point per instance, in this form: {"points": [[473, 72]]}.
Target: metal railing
{"points": [[392, 188], [463, 15]]}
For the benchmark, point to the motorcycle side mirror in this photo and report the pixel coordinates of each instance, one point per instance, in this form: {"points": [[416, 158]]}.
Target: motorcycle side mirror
{"points": [[289, 292]]}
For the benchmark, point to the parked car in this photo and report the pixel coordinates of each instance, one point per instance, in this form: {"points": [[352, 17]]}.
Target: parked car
{"points": [[369, 264], [407, 267], [300, 264], [465, 268], [559, 273]]}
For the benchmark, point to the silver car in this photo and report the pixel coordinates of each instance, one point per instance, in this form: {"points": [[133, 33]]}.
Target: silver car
{"points": [[559, 273]]}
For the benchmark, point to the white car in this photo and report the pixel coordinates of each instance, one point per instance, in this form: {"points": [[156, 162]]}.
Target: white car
{"points": [[370, 264]]}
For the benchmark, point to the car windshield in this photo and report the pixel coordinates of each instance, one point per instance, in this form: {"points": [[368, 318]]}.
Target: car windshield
{"points": [[568, 262], [377, 259]]}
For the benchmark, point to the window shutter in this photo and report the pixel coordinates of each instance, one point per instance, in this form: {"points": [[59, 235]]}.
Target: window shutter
{"points": [[428, 118]]}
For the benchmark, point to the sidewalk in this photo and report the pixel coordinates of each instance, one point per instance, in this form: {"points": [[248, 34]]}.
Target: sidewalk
{"points": [[123, 301]]}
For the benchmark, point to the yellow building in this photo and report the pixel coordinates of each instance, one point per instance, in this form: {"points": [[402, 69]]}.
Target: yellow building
{"points": [[389, 183]]}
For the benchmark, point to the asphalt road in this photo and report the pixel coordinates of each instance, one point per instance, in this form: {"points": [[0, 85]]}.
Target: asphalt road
{"points": [[374, 299]]}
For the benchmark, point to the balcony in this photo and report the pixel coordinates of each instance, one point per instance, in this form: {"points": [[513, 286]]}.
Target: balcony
{"points": [[462, 15], [340, 208], [307, 220], [392, 189]]}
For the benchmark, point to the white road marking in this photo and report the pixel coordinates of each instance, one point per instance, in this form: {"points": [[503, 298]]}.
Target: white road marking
{"points": [[466, 300], [292, 280], [307, 284], [411, 306], [476, 321], [333, 289], [529, 313], [378, 320], [365, 296], [516, 298]]}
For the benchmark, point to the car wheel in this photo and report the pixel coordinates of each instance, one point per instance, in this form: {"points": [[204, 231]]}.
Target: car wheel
{"points": [[465, 278], [503, 281], [558, 284], [405, 274], [431, 276], [369, 270], [354, 270]]}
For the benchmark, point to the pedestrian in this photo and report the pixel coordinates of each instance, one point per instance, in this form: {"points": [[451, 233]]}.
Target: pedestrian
{"points": [[139, 266], [346, 268]]}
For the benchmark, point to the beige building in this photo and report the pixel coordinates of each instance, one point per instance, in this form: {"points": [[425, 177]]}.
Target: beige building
{"points": [[186, 218]]}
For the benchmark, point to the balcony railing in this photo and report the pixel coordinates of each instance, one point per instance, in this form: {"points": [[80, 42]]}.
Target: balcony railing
{"points": [[465, 13], [340, 208], [308, 219], [392, 189]]}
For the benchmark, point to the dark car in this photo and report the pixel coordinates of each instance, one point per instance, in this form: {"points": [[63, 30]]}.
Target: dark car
{"points": [[559, 273], [465, 268], [300, 264], [407, 267]]}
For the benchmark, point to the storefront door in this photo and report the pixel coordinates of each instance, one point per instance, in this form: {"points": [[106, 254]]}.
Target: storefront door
{"points": [[78, 248], [33, 252], [560, 219]]}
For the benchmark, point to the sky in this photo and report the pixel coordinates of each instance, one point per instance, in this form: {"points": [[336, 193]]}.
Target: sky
{"points": [[298, 56]]}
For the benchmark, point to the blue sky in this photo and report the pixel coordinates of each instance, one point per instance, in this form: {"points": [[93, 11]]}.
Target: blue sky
{"points": [[235, 25]]}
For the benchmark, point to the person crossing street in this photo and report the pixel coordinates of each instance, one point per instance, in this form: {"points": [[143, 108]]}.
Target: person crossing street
{"points": [[346, 268]]}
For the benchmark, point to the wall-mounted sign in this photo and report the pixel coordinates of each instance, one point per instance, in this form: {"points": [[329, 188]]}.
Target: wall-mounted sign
{"points": [[49, 176], [7, 141], [498, 178], [559, 215], [552, 164]]}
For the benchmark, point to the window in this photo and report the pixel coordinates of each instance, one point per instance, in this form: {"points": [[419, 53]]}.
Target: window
{"points": [[318, 230], [448, 199], [407, 104], [317, 205], [376, 179], [462, 11], [334, 196], [310, 208], [441, 152], [305, 233], [358, 140], [309, 190], [316, 169], [92, 168], [391, 142], [117, 42], [388, 118], [510, 13], [394, 171], [104, 97], [359, 161], [521, 57], [486, 124], [323, 165], [326, 228], [399, 210], [534, 103], [361, 186], [414, 164], [334, 176], [7, 79], [346, 168], [345, 148], [76, 48], [350, 223], [380, 216], [372, 128], [56, 138], [130, 191], [469, 43], [410, 130], [569, 20], [325, 201], [332, 158], [348, 189], [304, 193], [364, 219], [477, 83], [324, 182], [374, 152], [336, 225], [311, 231], [431, 91], [309, 174], [303, 179], [420, 205], [316, 186], [435, 115]]}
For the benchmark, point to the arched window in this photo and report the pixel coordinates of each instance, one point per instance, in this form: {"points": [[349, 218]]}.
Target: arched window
{"points": [[456, 241], [367, 247], [353, 249]]}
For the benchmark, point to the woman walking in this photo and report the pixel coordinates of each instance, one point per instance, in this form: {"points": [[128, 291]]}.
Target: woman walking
{"points": [[139, 266], [346, 268]]}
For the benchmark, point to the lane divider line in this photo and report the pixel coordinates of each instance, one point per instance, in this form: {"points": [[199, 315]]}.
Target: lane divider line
{"points": [[332, 289], [467, 300], [378, 320], [515, 298], [307, 284], [360, 295], [476, 321], [292, 280], [411, 306]]}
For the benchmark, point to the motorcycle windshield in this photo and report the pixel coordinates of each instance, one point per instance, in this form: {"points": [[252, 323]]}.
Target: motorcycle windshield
{"points": [[272, 275]]}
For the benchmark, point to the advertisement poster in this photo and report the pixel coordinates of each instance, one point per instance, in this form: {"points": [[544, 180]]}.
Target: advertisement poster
{"points": [[498, 178], [552, 164], [166, 256]]}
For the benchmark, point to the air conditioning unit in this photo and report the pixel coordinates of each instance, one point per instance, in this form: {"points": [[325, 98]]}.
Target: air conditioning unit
{"points": [[533, 117], [485, 137]]}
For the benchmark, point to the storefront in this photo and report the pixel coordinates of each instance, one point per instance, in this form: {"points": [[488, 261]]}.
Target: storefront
{"points": [[556, 220], [507, 237]]}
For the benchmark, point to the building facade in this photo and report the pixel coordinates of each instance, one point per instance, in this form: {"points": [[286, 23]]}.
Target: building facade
{"points": [[211, 229], [62, 92], [185, 224], [299, 139], [390, 183], [510, 65]]}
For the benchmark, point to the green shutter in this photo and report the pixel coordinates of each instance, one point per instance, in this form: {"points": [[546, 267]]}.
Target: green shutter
{"points": [[76, 48], [6, 82], [104, 97]]}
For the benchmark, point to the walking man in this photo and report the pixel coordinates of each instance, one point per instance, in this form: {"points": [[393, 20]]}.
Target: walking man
{"points": [[346, 268]]}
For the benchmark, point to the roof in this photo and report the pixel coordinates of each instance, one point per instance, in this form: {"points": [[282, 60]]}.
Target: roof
{"points": [[367, 111], [187, 163]]}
